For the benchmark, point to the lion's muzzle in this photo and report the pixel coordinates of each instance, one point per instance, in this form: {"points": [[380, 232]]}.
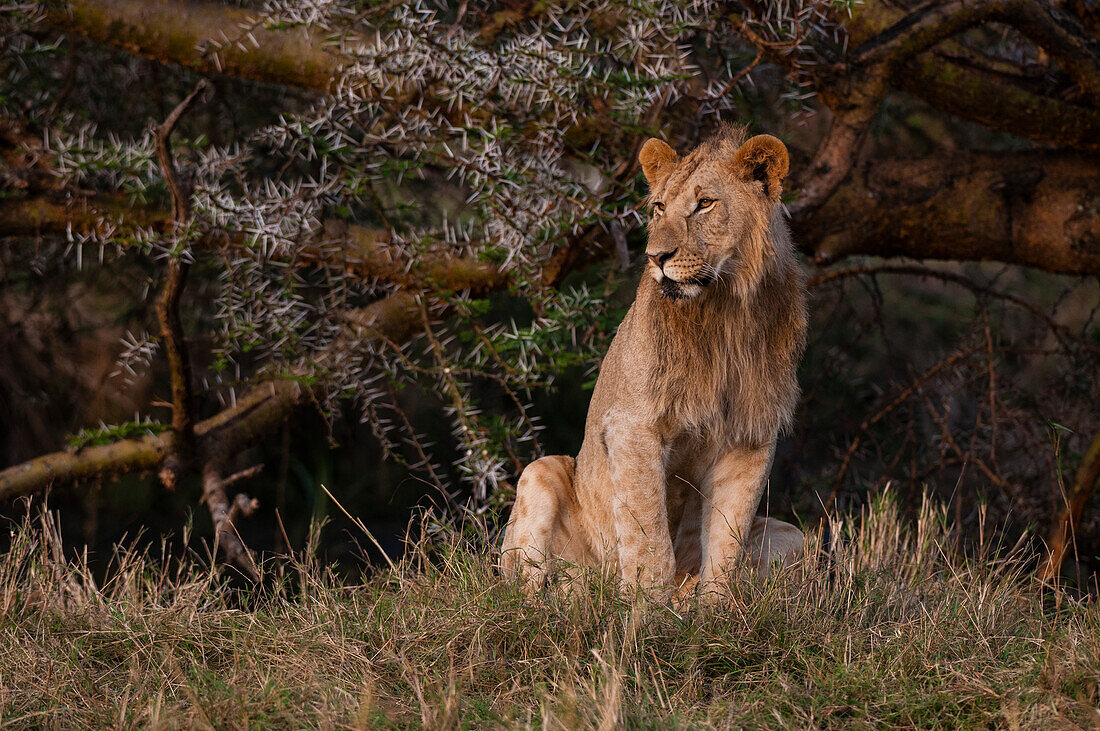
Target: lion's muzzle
{"points": [[680, 274]]}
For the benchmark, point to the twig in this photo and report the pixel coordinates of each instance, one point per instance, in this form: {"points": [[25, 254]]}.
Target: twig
{"points": [[181, 198], [243, 475], [458, 20], [949, 440]]}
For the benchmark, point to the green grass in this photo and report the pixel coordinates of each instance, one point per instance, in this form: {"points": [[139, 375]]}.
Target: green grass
{"points": [[891, 629]]}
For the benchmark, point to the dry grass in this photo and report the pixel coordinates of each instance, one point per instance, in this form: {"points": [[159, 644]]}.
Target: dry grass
{"points": [[891, 629]]}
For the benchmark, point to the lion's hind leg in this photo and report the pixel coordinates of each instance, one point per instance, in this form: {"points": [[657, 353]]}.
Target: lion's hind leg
{"points": [[542, 528], [773, 543]]}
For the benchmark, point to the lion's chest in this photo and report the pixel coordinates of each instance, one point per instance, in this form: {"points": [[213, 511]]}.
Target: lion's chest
{"points": [[688, 459]]}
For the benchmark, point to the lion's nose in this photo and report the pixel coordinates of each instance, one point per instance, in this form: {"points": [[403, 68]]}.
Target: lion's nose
{"points": [[661, 257]]}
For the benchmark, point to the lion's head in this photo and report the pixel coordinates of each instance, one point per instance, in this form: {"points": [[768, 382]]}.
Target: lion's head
{"points": [[712, 211]]}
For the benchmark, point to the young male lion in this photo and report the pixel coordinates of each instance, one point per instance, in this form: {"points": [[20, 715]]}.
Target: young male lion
{"points": [[697, 384]]}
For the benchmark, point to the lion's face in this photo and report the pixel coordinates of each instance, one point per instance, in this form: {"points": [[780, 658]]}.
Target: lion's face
{"points": [[710, 210]]}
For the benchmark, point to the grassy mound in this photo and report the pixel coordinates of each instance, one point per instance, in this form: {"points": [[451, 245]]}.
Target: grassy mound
{"points": [[893, 628]]}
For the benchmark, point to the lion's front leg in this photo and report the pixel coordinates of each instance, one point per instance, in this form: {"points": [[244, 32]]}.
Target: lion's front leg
{"points": [[639, 506], [733, 493]]}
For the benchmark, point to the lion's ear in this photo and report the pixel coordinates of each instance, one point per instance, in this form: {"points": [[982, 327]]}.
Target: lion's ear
{"points": [[763, 158], [657, 160]]}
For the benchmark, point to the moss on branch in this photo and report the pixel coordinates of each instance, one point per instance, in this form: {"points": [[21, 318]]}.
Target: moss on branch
{"points": [[994, 102], [108, 460]]}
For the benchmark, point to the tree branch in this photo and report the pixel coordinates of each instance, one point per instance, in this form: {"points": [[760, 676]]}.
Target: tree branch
{"points": [[994, 102], [108, 460], [256, 413], [364, 252], [356, 249], [200, 36], [854, 106], [168, 304], [179, 191], [1036, 209], [1086, 12], [223, 513], [57, 214], [1067, 41], [919, 30], [892, 50], [260, 411]]}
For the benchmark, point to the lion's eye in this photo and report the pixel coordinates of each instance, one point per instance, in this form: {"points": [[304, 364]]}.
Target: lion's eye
{"points": [[659, 207], [705, 203]]}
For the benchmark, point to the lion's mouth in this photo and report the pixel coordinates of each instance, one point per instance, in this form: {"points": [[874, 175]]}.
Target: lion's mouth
{"points": [[686, 289]]}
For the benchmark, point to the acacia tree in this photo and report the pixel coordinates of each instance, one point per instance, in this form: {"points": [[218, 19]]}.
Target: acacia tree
{"points": [[429, 154]]}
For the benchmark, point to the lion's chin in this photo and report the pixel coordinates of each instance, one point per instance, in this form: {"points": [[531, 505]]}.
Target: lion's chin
{"points": [[689, 289], [673, 290]]}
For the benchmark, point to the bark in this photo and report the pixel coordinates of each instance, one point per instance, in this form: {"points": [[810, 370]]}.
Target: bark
{"points": [[1035, 209]]}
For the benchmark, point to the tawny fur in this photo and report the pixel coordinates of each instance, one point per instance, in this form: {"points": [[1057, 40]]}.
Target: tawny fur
{"points": [[697, 384]]}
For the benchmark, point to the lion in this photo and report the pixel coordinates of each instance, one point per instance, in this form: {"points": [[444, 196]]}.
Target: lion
{"points": [[695, 388]]}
